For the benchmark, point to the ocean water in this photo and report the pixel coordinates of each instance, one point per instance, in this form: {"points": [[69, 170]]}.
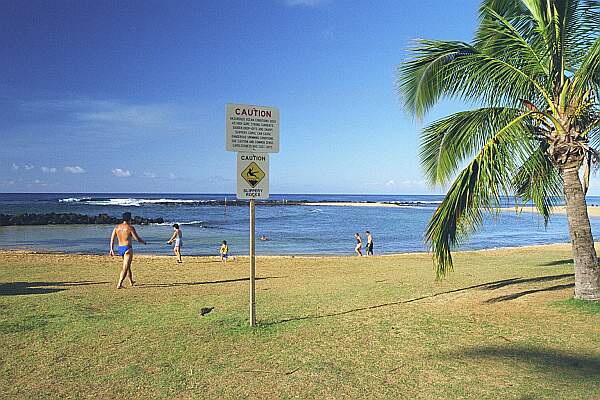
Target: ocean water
{"points": [[292, 229]]}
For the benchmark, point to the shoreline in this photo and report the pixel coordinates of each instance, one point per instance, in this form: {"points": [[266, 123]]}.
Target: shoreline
{"points": [[593, 211], [356, 204], [558, 245]]}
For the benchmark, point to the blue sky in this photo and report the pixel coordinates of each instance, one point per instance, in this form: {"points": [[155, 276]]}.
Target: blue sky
{"points": [[130, 96]]}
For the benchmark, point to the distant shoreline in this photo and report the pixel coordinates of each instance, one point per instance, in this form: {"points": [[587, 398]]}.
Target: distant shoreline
{"points": [[355, 204], [593, 211]]}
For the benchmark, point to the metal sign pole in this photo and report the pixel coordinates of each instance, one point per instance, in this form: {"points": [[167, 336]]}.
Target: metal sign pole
{"points": [[252, 268]]}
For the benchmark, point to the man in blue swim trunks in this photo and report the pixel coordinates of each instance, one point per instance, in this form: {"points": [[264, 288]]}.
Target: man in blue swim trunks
{"points": [[124, 232]]}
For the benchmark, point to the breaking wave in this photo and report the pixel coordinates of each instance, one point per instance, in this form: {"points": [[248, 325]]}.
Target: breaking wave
{"points": [[74, 199], [200, 223], [133, 202]]}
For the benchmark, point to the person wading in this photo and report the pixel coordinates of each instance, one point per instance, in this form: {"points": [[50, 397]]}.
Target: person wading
{"points": [[369, 243], [358, 248]]}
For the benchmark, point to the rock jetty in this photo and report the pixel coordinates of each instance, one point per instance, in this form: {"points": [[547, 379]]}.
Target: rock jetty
{"points": [[70, 218]]}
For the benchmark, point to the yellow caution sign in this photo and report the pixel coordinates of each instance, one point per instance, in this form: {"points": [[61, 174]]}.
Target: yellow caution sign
{"points": [[253, 174]]}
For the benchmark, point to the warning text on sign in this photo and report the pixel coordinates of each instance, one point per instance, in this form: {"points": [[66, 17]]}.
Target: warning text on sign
{"points": [[252, 128]]}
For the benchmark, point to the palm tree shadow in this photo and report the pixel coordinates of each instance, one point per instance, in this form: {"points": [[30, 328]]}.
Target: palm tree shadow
{"points": [[176, 284], [482, 286], [557, 262], [516, 281], [513, 296], [549, 360], [27, 288]]}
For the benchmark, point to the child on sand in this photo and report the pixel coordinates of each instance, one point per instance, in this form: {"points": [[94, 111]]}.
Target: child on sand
{"points": [[224, 251], [178, 240]]}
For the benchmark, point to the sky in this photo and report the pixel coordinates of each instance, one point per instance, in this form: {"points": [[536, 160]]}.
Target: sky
{"points": [[130, 96]]}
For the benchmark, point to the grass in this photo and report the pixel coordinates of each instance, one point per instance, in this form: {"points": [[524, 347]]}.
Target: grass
{"points": [[588, 307], [501, 326]]}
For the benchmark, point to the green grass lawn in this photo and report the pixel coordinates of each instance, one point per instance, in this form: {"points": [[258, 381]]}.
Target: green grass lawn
{"points": [[502, 326]]}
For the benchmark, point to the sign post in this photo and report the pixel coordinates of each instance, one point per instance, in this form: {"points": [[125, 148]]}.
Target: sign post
{"points": [[253, 132], [252, 267]]}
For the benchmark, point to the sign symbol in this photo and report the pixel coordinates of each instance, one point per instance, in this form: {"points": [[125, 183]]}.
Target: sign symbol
{"points": [[253, 174]]}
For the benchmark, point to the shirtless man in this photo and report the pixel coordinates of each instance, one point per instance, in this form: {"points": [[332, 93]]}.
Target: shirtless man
{"points": [[124, 232], [369, 243]]}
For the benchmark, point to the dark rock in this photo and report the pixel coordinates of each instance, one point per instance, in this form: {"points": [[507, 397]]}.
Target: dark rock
{"points": [[69, 218]]}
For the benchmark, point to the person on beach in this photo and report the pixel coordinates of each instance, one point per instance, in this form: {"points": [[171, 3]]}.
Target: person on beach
{"points": [[224, 251], [124, 232], [358, 248], [178, 240], [369, 243]]}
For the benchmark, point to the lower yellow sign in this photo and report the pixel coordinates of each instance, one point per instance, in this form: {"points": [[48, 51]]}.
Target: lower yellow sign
{"points": [[253, 174]]}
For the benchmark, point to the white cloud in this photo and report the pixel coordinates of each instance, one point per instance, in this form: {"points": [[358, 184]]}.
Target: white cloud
{"points": [[74, 169], [89, 113], [26, 167], [150, 175], [121, 173], [172, 175], [307, 3], [48, 170], [391, 182], [7, 183], [39, 183], [151, 115]]}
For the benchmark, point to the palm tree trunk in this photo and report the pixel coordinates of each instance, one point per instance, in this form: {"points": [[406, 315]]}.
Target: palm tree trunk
{"points": [[587, 272]]}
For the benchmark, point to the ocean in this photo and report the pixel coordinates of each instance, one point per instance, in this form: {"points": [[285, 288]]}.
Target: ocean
{"points": [[292, 229]]}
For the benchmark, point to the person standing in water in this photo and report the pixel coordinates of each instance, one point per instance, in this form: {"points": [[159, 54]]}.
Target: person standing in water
{"points": [[369, 243], [124, 232], [178, 240], [358, 248]]}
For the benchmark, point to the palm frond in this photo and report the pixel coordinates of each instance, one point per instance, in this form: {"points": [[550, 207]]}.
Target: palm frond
{"points": [[581, 29], [478, 187], [510, 39], [458, 70], [446, 143], [594, 137], [537, 180], [587, 77], [423, 80]]}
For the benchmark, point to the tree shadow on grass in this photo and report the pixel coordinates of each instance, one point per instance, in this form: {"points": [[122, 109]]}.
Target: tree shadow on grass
{"points": [[513, 296], [176, 284], [552, 361], [27, 288], [557, 262], [516, 281], [482, 286]]}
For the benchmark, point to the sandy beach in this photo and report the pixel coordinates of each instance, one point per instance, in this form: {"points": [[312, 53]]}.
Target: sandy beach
{"points": [[592, 211], [353, 204]]}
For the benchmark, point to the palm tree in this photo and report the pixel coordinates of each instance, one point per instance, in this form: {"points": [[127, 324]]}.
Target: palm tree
{"points": [[533, 72]]}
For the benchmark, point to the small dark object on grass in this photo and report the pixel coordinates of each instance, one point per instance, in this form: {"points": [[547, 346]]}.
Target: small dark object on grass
{"points": [[205, 310]]}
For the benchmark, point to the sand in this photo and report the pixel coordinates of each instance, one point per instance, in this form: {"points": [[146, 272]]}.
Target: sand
{"points": [[592, 210], [351, 204]]}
